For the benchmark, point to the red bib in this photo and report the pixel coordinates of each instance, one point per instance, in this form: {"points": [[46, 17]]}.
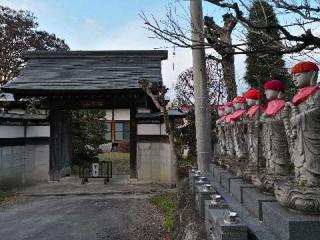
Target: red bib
{"points": [[273, 107], [222, 118], [237, 115], [228, 118], [304, 93], [253, 110]]}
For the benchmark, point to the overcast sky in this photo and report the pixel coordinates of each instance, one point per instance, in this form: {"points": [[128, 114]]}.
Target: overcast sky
{"points": [[110, 25]]}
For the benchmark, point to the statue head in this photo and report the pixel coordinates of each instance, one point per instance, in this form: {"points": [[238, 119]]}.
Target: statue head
{"points": [[221, 111], [305, 74], [228, 108], [252, 97], [239, 103], [274, 89]]}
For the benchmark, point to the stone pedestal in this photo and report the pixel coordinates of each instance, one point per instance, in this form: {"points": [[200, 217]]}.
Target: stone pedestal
{"points": [[288, 225], [217, 173], [236, 188], [200, 182], [201, 195], [219, 229], [252, 199], [225, 179]]}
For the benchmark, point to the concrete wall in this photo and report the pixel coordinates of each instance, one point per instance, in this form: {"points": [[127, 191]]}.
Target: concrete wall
{"points": [[23, 159], [154, 163], [151, 129]]}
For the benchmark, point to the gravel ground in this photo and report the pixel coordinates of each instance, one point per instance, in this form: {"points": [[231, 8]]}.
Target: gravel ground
{"points": [[83, 217]]}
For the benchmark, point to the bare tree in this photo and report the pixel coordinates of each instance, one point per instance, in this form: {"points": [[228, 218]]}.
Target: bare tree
{"points": [[219, 39], [291, 40], [184, 88]]}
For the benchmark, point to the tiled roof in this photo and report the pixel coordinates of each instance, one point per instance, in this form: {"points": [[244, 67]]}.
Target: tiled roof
{"points": [[86, 71]]}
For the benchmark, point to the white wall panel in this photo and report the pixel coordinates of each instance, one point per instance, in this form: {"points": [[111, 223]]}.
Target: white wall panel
{"points": [[121, 114], [11, 131], [108, 114], [38, 131], [148, 129]]}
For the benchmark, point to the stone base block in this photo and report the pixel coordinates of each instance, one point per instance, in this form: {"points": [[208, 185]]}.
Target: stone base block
{"points": [[217, 173], [200, 197], [197, 183], [288, 225], [252, 199], [236, 188], [220, 230], [225, 179], [211, 167]]}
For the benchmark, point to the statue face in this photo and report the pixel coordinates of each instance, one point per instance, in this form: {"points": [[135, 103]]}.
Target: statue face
{"points": [[303, 79], [252, 102], [220, 113], [228, 110], [271, 94], [238, 106]]}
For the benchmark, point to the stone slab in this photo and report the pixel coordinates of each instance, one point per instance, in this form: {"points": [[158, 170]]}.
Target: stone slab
{"points": [[196, 183], [288, 225], [201, 196], [252, 199], [220, 230], [225, 179], [211, 167], [217, 173], [236, 188]]}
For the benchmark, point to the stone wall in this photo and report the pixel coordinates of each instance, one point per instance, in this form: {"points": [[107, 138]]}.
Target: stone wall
{"points": [[24, 155]]}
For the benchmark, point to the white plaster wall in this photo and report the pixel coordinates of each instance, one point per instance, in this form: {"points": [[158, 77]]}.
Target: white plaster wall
{"points": [[11, 131], [17, 111], [108, 114], [148, 129], [122, 114], [38, 131]]}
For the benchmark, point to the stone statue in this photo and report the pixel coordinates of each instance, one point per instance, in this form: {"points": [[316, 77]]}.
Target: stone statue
{"points": [[229, 110], [275, 145], [303, 193], [220, 129], [253, 134], [239, 128]]}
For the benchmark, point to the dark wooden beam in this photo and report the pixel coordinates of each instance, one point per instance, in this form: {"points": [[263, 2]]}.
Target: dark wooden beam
{"points": [[133, 140], [60, 144]]}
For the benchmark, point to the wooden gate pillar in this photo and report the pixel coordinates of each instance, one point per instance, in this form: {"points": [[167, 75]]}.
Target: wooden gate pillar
{"points": [[60, 144]]}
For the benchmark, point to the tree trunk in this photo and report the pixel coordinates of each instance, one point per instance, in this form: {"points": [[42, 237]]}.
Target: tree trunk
{"points": [[173, 150], [229, 76]]}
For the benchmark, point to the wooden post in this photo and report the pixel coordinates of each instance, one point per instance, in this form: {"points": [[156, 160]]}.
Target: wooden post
{"points": [[133, 140], [60, 144]]}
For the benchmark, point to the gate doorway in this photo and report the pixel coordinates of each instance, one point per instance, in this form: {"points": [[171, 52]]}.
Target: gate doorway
{"points": [[69, 81]]}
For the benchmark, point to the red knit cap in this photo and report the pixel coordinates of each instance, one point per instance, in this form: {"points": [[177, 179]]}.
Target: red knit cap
{"points": [[253, 94], [274, 85], [228, 104], [304, 67], [239, 100]]}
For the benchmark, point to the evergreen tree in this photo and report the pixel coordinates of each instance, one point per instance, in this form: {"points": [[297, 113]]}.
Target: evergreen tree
{"points": [[263, 65]]}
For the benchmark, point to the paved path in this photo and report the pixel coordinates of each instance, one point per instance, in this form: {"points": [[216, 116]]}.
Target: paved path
{"points": [[82, 217]]}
